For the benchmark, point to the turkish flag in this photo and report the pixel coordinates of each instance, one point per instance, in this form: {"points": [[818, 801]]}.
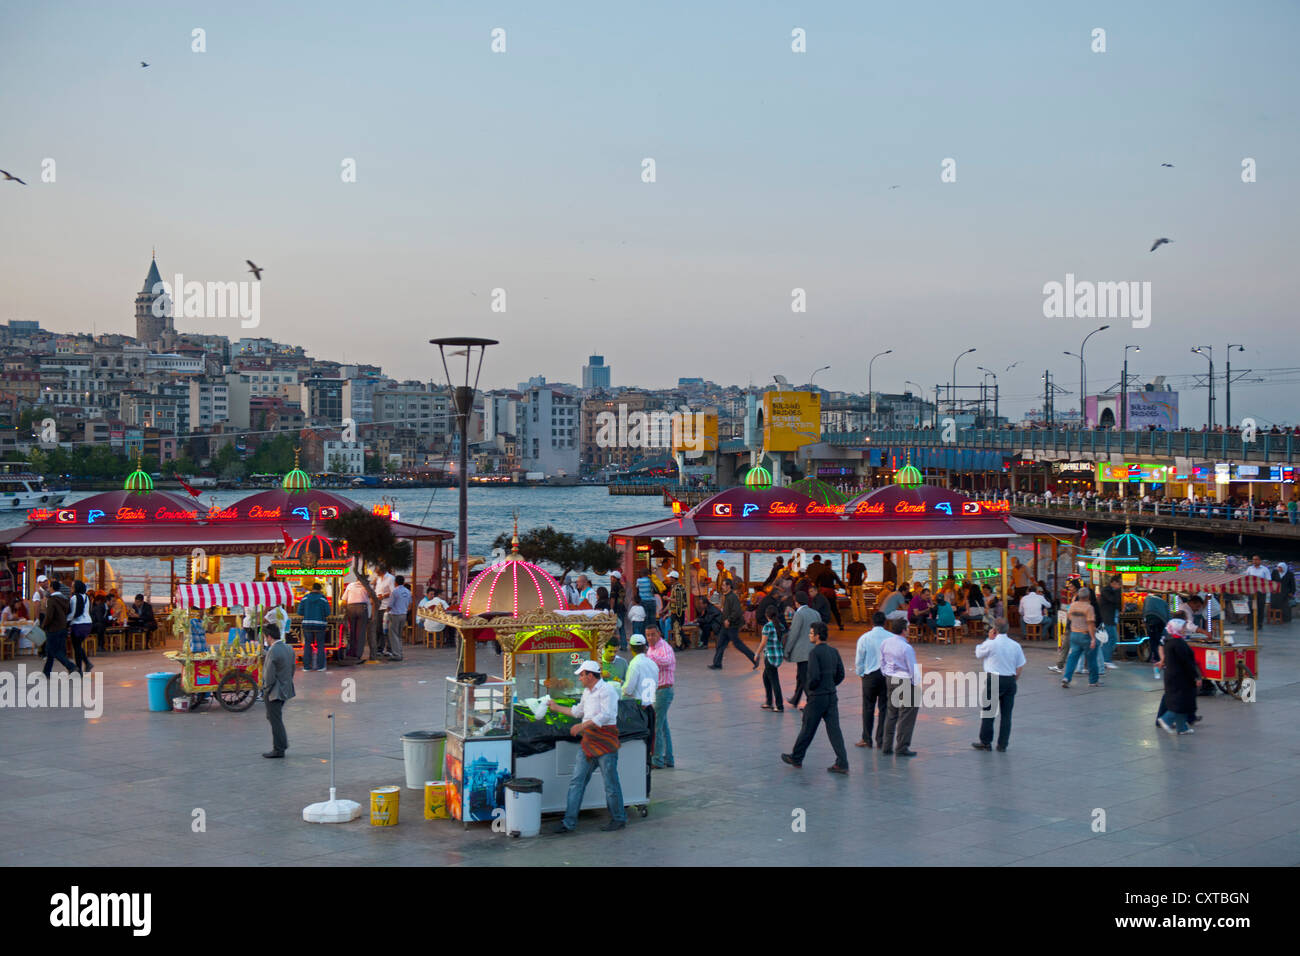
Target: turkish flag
{"points": [[288, 539], [193, 493]]}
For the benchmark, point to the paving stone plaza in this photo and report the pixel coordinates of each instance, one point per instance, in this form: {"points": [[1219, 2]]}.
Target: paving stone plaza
{"points": [[124, 789]]}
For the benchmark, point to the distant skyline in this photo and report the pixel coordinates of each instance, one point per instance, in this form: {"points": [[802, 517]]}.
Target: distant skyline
{"points": [[522, 171]]}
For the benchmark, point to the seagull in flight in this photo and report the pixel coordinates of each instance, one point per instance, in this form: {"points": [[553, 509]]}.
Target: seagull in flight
{"points": [[1158, 243], [257, 270], [12, 178], [895, 187], [1170, 165], [143, 64], [1011, 366]]}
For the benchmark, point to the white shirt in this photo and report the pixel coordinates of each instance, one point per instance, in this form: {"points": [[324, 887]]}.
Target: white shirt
{"points": [[279, 617], [1032, 606], [636, 613], [599, 704], [867, 660], [898, 659], [355, 593], [384, 585], [641, 679], [1260, 572], [1001, 656], [434, 626], [84, 616]]}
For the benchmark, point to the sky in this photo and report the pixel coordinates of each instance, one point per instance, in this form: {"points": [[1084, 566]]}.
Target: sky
{"points": [[523, 171]]}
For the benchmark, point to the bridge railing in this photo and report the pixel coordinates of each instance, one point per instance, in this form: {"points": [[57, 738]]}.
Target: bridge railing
{"points": [[1208, 446], [1082, 507]]}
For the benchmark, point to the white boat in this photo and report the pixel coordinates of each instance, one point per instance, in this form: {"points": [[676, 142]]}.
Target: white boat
{"points": [[21, 492]]}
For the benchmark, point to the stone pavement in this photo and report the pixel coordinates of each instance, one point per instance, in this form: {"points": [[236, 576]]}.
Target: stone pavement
{"points": [[123, 789]]}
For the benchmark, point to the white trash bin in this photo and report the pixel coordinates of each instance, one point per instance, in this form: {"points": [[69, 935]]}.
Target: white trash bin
{"points": [[422, 755], [524, 806]]}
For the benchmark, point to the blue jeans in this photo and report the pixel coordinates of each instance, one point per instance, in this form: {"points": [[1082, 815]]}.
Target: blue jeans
{"points": [[622, 631], [583, 768], [1079, 646], [1108, 649], [1179, 720], [313, 659], [663, 738]]}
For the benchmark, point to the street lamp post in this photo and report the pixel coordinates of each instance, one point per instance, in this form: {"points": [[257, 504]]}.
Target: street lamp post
{"points": [[952, 388], [1123, 388], [1207, 351], [871, 395], [1227, 385], [920, 394], [814, 374], [987, 372], [1083, 376], [464, 398]]}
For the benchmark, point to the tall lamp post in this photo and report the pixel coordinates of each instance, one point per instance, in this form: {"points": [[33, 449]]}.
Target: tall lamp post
{"points": [[1227, 385], [987, 372], [920, 394], [952, 388], [814, 374], [1207, 351], [1123, 388], [1083, 377], [464, 398], [871, 395]]}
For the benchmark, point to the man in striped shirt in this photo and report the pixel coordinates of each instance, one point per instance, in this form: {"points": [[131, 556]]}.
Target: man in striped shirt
{"points": [[661, 652]]}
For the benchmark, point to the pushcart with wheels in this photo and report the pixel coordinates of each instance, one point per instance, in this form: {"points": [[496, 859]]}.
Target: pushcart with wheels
{"points": [[228, 672]]}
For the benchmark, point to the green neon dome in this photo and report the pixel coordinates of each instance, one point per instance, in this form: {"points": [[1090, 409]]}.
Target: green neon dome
{"points": [[138, 480], [758, 477], [1127, 545], [909, 476], [297, 480]]}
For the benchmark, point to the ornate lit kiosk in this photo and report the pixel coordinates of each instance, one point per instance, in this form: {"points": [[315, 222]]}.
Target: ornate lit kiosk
{"points": [[314, 559], [520, 607]]}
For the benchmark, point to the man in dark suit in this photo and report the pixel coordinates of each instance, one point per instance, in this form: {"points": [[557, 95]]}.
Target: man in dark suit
{"points": [[277, 687], [825, 673], [140, 617]]}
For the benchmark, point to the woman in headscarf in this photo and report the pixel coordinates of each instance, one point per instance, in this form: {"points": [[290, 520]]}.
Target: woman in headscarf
{"points": [[1178, 705], [1285, 579]]}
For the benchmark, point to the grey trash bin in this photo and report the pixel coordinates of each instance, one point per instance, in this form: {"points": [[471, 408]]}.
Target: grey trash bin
{"points": [[422, 752]]}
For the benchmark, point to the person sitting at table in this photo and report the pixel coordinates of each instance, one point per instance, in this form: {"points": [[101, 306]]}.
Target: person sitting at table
{"points": [[918, 609], [116, 609], [140, 618], [944, 616], [99, 619], [15, 610]]}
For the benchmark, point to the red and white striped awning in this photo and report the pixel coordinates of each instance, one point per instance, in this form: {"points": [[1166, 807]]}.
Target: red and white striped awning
{"points": [[1207, 582], [234, 594]]}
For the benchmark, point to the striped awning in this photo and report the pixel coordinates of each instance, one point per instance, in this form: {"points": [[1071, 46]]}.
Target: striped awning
{"points": [[234, 594], [1207, 582]]}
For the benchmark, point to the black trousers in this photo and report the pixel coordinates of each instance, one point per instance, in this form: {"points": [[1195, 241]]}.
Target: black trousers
{"points": [[772, 686], [56, 650], [731, 635], [800, 681], [821, 707], [875, 705], [275, 716], [357, 622], [1261, 608], [79, 634], [1006, 696], [834, 602]]}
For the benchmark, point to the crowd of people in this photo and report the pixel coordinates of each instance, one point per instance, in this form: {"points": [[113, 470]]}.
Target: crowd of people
{"points": [[1238, 507]]}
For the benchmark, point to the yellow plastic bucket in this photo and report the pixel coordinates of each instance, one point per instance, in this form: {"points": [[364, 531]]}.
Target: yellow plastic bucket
{"points": [[435, 800], [383, 806]]}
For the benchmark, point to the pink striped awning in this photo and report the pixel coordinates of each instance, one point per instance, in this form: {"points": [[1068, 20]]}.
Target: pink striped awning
{"points": [[1207, 582], [234, 594]]}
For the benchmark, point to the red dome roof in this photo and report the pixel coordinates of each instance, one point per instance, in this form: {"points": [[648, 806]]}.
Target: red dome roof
{"points": [[512, 587], [142, 506], [314, 547], [291, 505]]}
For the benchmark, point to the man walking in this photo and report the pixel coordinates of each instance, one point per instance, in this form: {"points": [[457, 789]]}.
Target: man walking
{"points": [[277, 687], [825, 673], [597, 712], [1003, 659], [54, 622], [857, 572], [798, 643], [898, 662], [732, 616], [399, 605], [315, 611], [1257, 570], [875, 690], [661, 652]]}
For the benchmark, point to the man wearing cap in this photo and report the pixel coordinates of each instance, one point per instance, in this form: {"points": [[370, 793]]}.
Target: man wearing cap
{"points": [[37, 603], [640, 683], [597, 713]]}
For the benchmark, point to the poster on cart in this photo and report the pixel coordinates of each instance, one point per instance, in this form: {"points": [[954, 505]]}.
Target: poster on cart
{"points": [[476, 774]]}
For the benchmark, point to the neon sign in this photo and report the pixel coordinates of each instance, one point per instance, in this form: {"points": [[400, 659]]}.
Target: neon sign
{"points": [[789, 509]]}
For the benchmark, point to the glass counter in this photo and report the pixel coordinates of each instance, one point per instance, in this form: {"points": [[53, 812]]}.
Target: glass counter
{"points": [[480, 710]]}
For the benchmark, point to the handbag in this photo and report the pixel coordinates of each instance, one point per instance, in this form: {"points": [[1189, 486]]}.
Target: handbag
{"points": [[1102, 635], [36, 635]]}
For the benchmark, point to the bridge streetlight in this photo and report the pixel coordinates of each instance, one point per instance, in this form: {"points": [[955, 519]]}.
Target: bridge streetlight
{"points": [[1083, 373], [1207, 351], [1227, 385], [987, 372], [1123, 388], [952, 388], [871, 395], [1083, 376], [920, 395]]}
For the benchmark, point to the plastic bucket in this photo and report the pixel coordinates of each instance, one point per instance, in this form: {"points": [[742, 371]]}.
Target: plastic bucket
{"points": [[383, 806], [157, 686], [435, 800], [422, 752], [524, 806]]}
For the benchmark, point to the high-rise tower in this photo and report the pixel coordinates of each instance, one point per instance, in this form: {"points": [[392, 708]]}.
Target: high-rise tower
{"points": [[149, 328]]}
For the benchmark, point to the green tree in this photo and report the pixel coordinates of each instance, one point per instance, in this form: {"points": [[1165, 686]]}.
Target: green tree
{"points": [[274, 457], [563, 550], [371, 543]]}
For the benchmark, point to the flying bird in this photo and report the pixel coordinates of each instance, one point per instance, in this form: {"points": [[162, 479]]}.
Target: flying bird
{"points": [[11, 177], [1158, 243], [143, 64], [459, 352], [895, 187], [1011, 366], [1170, 165], [257, 270]]}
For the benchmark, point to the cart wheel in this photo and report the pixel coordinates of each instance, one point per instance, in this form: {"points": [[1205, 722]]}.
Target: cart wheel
{"points": [[1230, 687], [237, 692], [644, 811], [1144, 652], [176, 689]]}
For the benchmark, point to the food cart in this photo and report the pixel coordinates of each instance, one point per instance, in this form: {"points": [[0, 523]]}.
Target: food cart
{"points": [[1222, 657], [520, 607], [1128, 555], [314, 559]]}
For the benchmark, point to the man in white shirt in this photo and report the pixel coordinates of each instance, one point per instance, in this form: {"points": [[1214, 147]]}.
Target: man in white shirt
{"points": [[383, 582], [1257, 570], [1004, 660], [597, 712], [875, 690], [432, 599], [898, 662], [1032, 608], [584, 592], [356, 601], [641, 681]]}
